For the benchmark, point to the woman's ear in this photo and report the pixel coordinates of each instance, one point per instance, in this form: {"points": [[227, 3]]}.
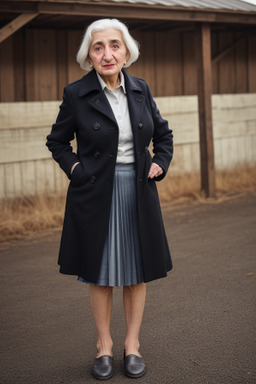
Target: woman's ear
{"points": [[127, 56], [89, 62]]}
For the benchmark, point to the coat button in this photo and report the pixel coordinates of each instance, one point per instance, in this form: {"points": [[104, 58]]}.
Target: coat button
{"points": [[92, 179], [97, 154], [146, 149], [96, 126], [140, 125]]}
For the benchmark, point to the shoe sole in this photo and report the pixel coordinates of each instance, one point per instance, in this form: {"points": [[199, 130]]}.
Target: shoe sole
{"points": [[135, 376], [102, 378]]}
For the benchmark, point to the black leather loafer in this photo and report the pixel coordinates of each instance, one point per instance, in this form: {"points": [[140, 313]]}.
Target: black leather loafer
{"points": [[103, 367], [134, 366]]}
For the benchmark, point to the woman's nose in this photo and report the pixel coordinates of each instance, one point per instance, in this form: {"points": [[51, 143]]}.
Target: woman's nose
{"points": [[107, 54]]}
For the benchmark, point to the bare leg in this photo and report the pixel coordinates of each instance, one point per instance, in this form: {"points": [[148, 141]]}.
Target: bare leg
{"points": [[101, 303], [134, 301]]}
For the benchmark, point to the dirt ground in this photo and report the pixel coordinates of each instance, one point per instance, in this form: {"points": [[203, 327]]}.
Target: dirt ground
{"points": [[199, 322]]}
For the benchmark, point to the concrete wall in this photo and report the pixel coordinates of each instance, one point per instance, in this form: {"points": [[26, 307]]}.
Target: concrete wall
{"points": [[26, 167]]}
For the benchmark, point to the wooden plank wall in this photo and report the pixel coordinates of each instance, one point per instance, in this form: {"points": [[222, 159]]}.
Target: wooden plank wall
{"points": [[35, 64], [234, 130], [26, 166]]}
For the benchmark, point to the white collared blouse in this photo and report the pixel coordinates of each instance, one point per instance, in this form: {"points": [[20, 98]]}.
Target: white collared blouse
{"points": [[119, 104]]}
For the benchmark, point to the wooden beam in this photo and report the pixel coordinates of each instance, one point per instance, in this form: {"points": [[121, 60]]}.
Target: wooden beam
{"points": [[203, 49], [15, 24], [220, 55], [129, 11], [150, 12]]}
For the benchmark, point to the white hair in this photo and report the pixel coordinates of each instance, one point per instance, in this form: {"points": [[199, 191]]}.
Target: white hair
{"points": [[101, 25]]}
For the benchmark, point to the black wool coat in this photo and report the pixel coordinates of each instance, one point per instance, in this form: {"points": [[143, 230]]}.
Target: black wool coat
{"points": [[85, 113]]}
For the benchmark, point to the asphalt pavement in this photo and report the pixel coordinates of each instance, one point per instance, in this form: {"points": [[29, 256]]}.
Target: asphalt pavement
{"points": [[199, 322]]}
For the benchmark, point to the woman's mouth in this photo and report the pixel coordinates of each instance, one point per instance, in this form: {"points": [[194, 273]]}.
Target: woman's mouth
{"points": [[108, 66]]}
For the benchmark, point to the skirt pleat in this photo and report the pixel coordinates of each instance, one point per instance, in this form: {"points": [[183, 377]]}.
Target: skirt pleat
{"points": [[121, 260]]}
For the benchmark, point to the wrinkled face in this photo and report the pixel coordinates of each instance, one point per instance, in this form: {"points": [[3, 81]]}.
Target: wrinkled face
{"points": [[108, 53]]}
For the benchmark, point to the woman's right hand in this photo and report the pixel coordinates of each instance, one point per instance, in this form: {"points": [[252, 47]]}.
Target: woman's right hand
{"points": [[73, 167]]}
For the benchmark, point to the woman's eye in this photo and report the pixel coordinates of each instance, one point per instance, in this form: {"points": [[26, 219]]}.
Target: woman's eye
{"points": [[115, 46]]}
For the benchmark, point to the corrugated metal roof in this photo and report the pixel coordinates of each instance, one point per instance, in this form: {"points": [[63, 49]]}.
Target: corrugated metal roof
{"points": [[235, 5]]}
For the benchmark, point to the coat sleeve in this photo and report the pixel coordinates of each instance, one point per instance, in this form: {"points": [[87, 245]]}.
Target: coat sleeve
{"points": [[62, 133], [162, 139]]}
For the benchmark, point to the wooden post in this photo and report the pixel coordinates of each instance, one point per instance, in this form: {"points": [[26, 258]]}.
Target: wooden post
{"points": [[203, 48], [15, 24]]}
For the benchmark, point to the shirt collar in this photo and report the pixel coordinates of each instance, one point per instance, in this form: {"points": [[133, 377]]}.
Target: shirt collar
{"points": [[103, 84]]}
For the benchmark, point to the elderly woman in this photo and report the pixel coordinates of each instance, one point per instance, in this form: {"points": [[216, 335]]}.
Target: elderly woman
{"points": [[113, 233]]}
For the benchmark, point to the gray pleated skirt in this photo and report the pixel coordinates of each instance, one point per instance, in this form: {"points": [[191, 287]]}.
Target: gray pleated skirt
{"points": [[121, 262]]}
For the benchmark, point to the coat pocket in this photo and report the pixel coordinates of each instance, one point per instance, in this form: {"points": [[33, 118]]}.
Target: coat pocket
{"points": [[148, 164], [78, 177]]}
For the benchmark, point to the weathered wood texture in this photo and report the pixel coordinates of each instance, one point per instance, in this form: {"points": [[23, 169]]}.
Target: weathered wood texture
{"points": [[15, 24], [35, 64], [234, 131], [26, 167], [204, 66]]}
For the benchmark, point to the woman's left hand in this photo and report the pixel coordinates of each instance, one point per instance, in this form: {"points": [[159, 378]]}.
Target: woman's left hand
{"points": [[154, 171]]}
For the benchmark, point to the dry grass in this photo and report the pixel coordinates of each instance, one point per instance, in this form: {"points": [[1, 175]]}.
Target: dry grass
{"points": [[25, 216], [186, 188]]}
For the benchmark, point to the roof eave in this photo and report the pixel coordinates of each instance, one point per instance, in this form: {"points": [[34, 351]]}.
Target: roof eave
{"points": [[129, 11]]}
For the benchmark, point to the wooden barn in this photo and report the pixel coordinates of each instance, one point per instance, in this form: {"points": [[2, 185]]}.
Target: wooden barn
{"points": [[198, 57]]}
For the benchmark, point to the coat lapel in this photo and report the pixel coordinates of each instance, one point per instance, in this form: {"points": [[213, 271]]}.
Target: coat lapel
{"points": [[101, 104], [98, 101], [136, 100]]}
